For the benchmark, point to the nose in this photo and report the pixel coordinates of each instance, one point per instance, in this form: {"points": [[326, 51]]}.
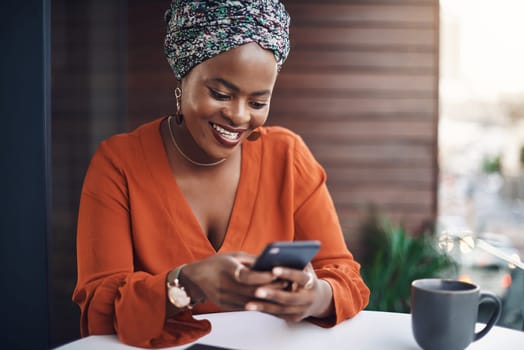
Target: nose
{"points": [[237, 113]]}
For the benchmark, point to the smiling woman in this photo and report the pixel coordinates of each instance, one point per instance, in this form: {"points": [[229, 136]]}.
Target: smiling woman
{"points": [[173, 214]]}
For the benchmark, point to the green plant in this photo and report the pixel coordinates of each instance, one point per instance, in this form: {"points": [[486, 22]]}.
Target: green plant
{"points": [[394, 260], [492, 165]]}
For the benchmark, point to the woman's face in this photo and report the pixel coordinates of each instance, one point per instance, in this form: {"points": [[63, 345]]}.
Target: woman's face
{"points": [[224, 98]]}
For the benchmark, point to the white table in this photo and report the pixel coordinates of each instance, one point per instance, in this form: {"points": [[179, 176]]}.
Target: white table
{"points": [[369, 330]]}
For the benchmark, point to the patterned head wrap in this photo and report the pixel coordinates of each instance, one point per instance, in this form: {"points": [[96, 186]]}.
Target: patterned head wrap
{"points": [[199, 30]]}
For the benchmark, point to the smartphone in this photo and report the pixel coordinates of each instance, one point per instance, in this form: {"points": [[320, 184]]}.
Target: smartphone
{"points": [[293, 254]]}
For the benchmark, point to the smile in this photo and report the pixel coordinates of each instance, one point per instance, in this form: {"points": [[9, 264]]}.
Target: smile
{"points": [[227, 134]]}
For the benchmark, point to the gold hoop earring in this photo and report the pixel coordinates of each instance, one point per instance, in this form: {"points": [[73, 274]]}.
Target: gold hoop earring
{"points": [[179, 118]]}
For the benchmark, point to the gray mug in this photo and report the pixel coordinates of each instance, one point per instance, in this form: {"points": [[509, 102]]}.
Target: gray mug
{"points": [[444, 313]]}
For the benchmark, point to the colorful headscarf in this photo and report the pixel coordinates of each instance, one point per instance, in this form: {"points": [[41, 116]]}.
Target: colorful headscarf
{"points": [[199, 30]]}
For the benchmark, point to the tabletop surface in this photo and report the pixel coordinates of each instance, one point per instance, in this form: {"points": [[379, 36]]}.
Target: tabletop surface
{"points": [[251, 330]]}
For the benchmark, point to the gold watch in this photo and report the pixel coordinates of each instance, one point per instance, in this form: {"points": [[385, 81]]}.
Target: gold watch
{"points": [[176, 293]]}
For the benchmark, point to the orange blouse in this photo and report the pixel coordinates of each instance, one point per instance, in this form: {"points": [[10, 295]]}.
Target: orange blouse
{"points": [[135, 225]]}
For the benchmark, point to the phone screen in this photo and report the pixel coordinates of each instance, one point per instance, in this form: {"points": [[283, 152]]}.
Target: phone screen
{"points": [[295, 254]]}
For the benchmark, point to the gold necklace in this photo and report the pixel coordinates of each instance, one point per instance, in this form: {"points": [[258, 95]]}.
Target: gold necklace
{"points": [[183, 154]]}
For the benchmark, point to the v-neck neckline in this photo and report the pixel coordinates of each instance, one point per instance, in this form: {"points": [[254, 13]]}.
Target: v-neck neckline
{"points": [[184, 220]]}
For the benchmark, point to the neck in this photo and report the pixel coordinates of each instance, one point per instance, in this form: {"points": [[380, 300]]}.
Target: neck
{"points": [[183, 154]]}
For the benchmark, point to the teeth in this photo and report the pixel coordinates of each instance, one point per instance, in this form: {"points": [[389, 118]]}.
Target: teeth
{"points": [[230, 135]]}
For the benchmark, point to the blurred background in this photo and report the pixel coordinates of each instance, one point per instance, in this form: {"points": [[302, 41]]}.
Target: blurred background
{"points": [[481, 142], [481, 120], [414, 107]]}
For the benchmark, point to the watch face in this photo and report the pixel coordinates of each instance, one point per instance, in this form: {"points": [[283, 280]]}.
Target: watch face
{"points": [[178, 297]]}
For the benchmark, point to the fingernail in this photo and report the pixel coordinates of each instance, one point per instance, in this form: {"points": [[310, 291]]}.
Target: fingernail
{"points": [[251, 307], [278, 271], [261, 293]]}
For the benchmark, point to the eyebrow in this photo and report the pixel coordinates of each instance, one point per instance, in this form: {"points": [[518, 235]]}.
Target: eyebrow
{"points": [[235, 88]]}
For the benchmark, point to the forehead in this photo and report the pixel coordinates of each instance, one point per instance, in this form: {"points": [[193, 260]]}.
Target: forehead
{"points": [[250, 67]]}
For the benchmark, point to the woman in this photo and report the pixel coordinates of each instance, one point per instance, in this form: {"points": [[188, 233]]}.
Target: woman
{"points": [[173, 214]]}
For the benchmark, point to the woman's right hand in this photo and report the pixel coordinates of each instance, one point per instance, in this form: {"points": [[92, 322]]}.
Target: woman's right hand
{"points": [[224, 279]]}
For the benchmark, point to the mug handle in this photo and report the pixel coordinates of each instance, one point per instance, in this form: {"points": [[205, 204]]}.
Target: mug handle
{"points": [[487, 297]]}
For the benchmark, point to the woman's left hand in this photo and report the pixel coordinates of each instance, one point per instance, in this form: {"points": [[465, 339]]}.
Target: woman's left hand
{"points": [[307, 296]]}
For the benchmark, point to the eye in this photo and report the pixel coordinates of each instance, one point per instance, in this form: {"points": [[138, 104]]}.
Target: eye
{"points": [[257, 105], [217, 95]]}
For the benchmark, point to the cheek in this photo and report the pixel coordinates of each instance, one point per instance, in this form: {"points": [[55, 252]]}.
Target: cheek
{"points": [[259, 119], [198, 108]]}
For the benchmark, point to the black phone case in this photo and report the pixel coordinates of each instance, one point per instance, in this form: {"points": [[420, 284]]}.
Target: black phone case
{"points": [[295, 254]]}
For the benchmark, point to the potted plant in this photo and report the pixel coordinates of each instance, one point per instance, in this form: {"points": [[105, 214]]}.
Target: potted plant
{"points": [[394, 259]]}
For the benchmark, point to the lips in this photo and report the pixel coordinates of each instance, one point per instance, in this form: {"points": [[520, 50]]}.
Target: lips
{"points": [[226, 136]]}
